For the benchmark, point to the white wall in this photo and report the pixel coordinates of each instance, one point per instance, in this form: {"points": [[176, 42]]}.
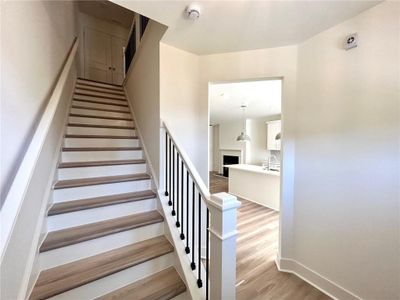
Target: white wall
{"points": [[346, 216], [30, 71], [227, 143], [179, 96], [35, 39], [142, 85], [91, 22], [228, 132]]}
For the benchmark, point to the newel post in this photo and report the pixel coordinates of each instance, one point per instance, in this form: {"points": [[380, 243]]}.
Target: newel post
{"points": [[223, 233]]}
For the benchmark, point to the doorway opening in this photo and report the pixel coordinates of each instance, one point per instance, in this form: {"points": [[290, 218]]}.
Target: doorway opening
{"points": [[245, 139]]}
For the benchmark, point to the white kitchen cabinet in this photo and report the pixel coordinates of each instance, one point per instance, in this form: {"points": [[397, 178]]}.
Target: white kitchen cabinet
{"points": [[273, 132]]}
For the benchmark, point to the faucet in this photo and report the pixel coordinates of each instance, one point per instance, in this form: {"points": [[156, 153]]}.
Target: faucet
{"points": [[272, 163]]}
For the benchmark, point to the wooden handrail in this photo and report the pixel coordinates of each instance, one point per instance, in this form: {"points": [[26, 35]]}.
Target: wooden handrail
{"points": [[19, 186]]}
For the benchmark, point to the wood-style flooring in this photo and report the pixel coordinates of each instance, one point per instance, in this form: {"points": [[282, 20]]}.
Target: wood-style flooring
{"points": [[256, 273]]}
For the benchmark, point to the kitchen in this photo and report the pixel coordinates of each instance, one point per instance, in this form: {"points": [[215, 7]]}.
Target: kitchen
{"points": [[245, 139]]}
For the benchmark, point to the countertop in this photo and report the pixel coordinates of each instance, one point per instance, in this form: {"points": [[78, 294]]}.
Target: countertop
{"points": [[253, 168]]}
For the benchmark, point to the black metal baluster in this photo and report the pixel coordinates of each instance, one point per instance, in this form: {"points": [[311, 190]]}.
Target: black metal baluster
{"points": [[177, 189], [187, 249], [193, 264], [199, 282], [166, 165], [207, 250], [169, 165], [173, 180], [182, 210]]}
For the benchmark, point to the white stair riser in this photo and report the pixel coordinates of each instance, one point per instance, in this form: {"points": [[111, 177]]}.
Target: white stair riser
{"points": [[95, 142], [98, 89], [118, 280], [98, 214], [100, 131], [99, 113], [107, 101], [102, 95], [63, 255], [98, 84], [74, 156], [102, 106], [99, 190], [93, 121], [88, 172]]}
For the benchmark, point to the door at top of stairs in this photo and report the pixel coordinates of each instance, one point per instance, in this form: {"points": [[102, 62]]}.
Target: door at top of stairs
{"points": [[104, 57]]}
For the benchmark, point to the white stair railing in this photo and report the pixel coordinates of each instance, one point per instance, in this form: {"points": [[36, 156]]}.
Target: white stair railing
{"points": [[206, 223]]}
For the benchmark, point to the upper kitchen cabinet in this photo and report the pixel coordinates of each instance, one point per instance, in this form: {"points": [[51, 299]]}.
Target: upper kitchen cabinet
{"points": [[274, 135]]}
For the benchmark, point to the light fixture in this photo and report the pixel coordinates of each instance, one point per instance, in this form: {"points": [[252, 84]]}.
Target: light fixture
{"points": [[242, 136], [193, 12]]}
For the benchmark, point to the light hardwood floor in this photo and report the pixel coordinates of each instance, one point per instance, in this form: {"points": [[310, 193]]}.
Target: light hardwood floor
{"points": [[257, 274]]}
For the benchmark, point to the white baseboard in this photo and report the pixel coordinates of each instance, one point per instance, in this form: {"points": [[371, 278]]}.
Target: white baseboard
{"points": [[323, 284]]}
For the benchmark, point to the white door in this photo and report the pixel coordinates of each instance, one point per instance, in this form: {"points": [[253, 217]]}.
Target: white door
{"points": [[98, 56], [103, 57], [117, 59]]}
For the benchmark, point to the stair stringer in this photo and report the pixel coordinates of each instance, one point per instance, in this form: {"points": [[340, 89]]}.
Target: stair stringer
{"points": [[182, 260]]}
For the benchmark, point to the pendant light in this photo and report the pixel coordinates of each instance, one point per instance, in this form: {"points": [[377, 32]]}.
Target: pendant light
{"points": [[242, 136]]}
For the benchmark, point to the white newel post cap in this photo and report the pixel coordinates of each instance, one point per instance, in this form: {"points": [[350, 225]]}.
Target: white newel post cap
{"points": [[223, 208], [224, 201]]}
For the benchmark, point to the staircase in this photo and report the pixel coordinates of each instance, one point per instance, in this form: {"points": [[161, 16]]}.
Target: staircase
{"points": [[105, 237]]}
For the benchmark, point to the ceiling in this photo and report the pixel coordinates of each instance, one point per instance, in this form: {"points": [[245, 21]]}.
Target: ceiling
{"points": [[262, 97], [227, 26], [108, 11]]}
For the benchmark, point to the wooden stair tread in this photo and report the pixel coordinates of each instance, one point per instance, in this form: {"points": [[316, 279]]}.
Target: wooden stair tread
{"points": [[60, 279], [100, 117], [74, 235], [99, 83], [97, 94], [77, 205], [94, 136], [100, 126], [165, 284], [100, 109], [98, 163], [79, 149], [99, 101], [99, 89], [71, 183]]}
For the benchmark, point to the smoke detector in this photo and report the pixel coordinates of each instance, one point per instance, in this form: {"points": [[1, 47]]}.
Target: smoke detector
{"points": [[193, 12]]}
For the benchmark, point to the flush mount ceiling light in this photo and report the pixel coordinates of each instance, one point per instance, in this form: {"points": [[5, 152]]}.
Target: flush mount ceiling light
{"points": [[242, 136], [193, 12]]}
